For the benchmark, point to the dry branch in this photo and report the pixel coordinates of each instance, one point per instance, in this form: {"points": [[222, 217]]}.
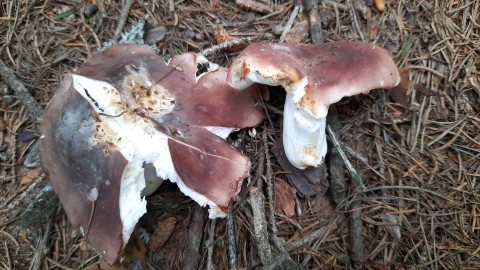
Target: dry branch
{"points": [[307, 238], [339, 181], [290, 22], [195, 235], [219, 47], [256, 200], [232, 244], [123, 19], [311, 7], [210, 243]]}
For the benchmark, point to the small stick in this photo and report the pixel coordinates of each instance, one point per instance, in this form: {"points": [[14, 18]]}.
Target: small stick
{"points": [[290, 22], [33, 108], [101, 7], [223, 46], [256, 200], [356, 224], [356, 177], [195, 232], [356, 24], [311, 6], [210, 245], [271, 199], [14, 203], [123, 19], [41, 247], [10, 33], [307, 238], [232, 244]]}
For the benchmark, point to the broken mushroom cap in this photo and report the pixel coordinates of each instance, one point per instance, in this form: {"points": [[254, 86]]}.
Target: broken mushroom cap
{"points": [[314, 77], [125, 121]]}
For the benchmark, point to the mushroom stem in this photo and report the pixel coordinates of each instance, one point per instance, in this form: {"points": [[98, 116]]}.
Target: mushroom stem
{"points": [[304, 137]]}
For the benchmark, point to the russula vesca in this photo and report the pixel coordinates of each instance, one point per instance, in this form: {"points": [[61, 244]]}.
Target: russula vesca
{"points": [[126, 118], [314, 77]]}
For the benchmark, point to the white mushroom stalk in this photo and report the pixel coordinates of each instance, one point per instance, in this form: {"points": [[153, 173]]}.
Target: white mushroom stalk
{"points": [[314, 76]]}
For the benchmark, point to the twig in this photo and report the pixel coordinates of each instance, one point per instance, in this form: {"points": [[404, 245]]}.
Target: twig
{"points": [[17, 23], [271, 199], [282, 262], [356, 224], [356, 177], [24, 194], [123, 19], [195, 233], [256, 200], [41, 248], [409, 188], [33, 108], [290, 22], [283, 259], [7, 254], [210, 245], [225, 45], [307, 238], [254, 5], [101, 8], [232, 250], [311, 6], [353, 12], [356, 228]]}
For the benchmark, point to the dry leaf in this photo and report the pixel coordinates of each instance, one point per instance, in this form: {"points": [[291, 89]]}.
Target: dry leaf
{"points": [[30, 176], [284, 198]]}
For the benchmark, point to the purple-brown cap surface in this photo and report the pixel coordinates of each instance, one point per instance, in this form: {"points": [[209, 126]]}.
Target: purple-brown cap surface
{"points": [[314, 77], [126, 108]]}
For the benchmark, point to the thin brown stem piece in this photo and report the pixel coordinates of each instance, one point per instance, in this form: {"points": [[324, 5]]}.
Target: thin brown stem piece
{"points": [[256, 200], [195, 233], [232, 244], [225, 45], [307, 238], [290, 22], [123, 19], [210, 243]]}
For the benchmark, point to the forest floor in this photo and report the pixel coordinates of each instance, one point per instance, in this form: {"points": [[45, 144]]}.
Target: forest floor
{"points": [[416, 147]]}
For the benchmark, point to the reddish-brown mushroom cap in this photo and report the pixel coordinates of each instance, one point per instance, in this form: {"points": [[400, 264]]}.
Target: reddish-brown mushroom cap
{"points": [[314, 77], [125, 108], [332, 70], [87, 179]]}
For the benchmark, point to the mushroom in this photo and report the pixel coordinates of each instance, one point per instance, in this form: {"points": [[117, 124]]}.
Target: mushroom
{"points": [[314, 77], [125, 121]]}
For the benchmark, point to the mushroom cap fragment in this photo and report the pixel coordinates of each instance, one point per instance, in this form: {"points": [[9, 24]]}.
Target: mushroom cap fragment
{"points": [[125, 110], [314, 77]]}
